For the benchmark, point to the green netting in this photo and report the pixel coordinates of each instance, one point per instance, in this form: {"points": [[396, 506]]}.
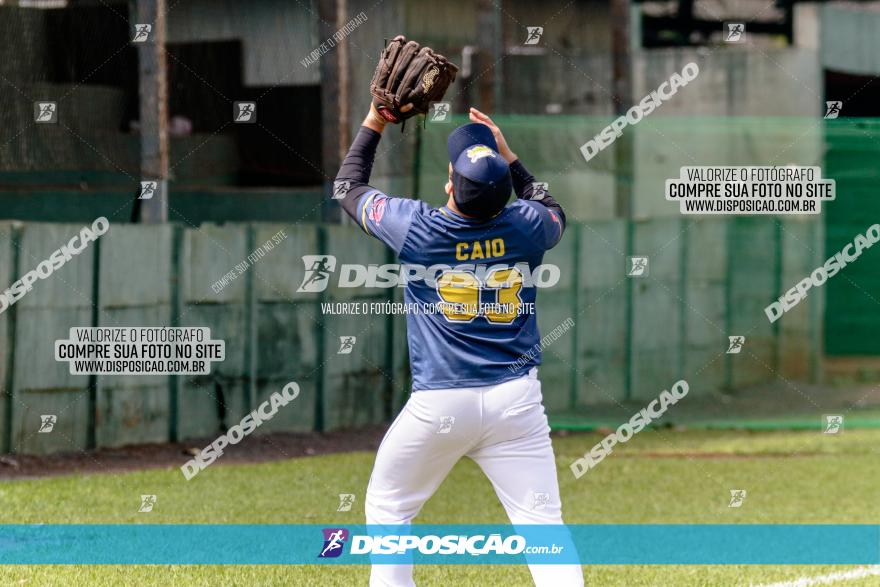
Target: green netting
{"points": [[709, 277], [852, 319]]}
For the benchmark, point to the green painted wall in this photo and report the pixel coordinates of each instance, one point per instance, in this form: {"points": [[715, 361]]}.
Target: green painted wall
{"points": [[187, 205], [633, 337], [852, 314]]}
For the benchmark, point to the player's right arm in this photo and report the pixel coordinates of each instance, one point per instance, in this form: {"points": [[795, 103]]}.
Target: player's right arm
{"points": [[388, 219], [354, 175], [547, 218]]}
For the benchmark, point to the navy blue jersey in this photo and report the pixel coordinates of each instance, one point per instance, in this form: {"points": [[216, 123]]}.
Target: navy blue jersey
{"points": [[477, 325]]}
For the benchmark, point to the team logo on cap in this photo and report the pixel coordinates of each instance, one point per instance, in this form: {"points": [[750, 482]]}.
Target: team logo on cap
{"points": [[479, 152]]}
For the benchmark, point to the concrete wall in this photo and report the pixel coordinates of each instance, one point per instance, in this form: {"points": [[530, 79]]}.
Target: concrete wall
{"points": [[275, 35], [736, 81], [850, 38]]}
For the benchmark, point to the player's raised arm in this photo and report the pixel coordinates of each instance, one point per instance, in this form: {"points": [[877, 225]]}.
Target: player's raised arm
{"points": [[353, 178], [407, 79], [524, 183], [385, 218]]}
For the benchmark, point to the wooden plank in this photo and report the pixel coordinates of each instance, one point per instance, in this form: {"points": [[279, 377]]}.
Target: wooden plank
{"points": [[153, 86]]}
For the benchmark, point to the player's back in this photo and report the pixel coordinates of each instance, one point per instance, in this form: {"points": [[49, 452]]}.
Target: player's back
{"points": [[471, 289]]}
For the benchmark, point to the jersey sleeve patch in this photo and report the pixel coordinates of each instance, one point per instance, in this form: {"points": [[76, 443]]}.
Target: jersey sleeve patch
{"points": [[543, 223], [386, 218]]}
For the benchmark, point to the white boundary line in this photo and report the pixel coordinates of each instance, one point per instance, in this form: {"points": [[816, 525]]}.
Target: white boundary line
{"points": [[857, 573]]}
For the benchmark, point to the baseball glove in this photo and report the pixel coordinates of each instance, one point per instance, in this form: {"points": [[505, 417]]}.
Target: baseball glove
{"points": [[409, 74]]}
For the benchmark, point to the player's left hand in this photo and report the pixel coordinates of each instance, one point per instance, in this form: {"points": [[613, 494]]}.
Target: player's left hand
{"points": [[503, 149], [409, 74]]}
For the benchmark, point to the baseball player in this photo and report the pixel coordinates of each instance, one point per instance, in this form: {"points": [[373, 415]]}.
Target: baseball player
{"points": [[474, 364]]}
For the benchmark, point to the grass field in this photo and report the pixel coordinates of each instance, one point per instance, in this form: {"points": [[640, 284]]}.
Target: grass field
{"points": [[661, 476]]}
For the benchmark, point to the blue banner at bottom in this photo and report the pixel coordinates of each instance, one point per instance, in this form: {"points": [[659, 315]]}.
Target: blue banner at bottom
{"points": [[589, 544]]}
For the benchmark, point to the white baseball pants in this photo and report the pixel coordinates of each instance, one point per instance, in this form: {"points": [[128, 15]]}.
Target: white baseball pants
{"points": [[501, 427]]}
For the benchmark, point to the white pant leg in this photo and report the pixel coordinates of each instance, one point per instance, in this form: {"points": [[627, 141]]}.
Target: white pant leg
{"points": [[516, 455], [415, 456]]}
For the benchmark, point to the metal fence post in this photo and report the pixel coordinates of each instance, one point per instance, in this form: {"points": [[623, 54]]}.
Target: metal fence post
{"points": [[176, 302], [15, 241], [92, 423]]}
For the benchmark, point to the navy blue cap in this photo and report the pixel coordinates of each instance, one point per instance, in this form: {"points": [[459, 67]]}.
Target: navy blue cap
{"points": [[481, 181]]}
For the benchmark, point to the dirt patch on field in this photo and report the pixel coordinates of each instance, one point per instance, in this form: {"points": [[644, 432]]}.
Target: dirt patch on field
{"points": [[253, 449]]}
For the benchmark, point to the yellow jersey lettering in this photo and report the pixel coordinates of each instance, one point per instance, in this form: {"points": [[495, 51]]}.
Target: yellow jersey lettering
{"points": [[477, 250]]}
